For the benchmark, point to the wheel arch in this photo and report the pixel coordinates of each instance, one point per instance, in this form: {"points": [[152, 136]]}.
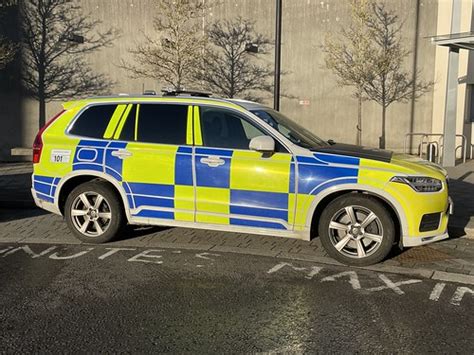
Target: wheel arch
{"points": [[325, 197], [70, 181]]}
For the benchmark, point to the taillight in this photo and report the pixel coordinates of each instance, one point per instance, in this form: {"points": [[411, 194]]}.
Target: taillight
{"points": [[38, 143]]}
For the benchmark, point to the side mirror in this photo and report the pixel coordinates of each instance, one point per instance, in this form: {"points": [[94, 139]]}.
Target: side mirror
{"points": [[264, 144]]}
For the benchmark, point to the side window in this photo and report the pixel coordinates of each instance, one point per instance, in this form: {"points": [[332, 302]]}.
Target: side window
{"points": [[225, 129], [93, 121], [161, 123], [128, 129]]}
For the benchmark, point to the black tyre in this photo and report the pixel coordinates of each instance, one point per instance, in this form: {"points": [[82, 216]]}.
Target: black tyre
{"points": [[356, 229], [94, 212]]}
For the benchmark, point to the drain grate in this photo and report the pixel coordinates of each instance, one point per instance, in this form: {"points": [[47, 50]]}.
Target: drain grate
{"points": [[422, 254]]}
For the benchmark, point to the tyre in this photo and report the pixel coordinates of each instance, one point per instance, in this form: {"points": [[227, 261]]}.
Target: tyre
{"points": [[94, 212], [356, 230]]}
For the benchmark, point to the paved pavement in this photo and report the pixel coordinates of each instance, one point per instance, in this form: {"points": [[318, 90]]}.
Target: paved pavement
{"points": [[20, 222], [93, 299]]}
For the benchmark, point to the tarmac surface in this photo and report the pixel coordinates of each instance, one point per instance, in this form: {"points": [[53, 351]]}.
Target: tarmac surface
{"points": [[82, 298]]}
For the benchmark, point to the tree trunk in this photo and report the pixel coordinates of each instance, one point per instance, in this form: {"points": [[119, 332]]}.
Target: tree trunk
{"points": [[41, 98], [382, 138], [42, 112], [359, 121]]}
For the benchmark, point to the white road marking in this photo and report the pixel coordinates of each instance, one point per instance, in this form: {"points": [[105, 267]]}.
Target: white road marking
{"points": [[436, 293], [55, 256], [206, 255], [30, 252], [459, 294], [4, 250], [392, 285], [146, 254], [353, 278], [112, 251], [314, 269]]}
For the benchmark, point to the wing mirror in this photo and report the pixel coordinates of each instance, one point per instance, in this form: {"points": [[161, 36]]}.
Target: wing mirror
{"points": [[264, 144]]}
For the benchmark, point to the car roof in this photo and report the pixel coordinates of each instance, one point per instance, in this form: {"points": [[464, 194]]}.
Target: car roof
{"points": [[247, 105]]}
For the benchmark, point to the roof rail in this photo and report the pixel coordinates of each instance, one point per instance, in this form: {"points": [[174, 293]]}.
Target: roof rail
{"points": [[172, 92]]}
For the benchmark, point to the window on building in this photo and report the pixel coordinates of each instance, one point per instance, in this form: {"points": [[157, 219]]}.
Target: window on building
{"points": [[161, 123], [93, 121]]}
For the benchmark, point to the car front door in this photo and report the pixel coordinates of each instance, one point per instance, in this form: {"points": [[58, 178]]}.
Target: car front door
{"points": [[235, 185]]}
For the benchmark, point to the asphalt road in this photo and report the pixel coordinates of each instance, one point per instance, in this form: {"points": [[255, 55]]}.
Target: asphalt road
{"points": [[59, 298]]}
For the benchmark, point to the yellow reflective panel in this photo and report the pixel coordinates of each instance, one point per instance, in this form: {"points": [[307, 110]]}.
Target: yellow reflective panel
{"points": [[122, 122], [136, 122], [150, 163], [197, 127], [109, 131], [184, 203], [212, 205], [189, 126], [250, 171]]}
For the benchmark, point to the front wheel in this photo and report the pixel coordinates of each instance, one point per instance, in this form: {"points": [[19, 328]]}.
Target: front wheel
{"points": [[357, 230], [94, 213]]}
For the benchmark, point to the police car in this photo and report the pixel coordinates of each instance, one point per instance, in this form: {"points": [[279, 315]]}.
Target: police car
{"points": [[190, 160]]}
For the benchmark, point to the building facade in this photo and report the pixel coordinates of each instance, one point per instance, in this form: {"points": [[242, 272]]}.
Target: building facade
{"points": [[316, 102]]}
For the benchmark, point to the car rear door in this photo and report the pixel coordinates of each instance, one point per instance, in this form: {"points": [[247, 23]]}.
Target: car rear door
{"points": [[157, 161]]}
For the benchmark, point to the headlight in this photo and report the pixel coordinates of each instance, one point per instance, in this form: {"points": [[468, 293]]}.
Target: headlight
{"points": [[420, 183]]}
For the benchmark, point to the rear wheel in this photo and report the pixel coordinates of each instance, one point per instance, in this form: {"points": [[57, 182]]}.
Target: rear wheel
{"points": [[357, 230], [94, 212]]}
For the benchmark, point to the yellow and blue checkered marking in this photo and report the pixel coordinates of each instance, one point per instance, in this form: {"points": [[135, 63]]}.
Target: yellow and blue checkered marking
{"points": [[45, 187]]}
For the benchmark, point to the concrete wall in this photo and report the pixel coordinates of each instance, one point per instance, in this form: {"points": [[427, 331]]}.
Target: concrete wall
{"points": [[332, 112]]}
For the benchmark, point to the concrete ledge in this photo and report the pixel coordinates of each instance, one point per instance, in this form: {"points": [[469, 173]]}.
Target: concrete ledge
{"points": [[21, 152]]}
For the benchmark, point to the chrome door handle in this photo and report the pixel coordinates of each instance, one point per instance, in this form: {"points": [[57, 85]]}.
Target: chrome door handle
{"points": [[121, 153], [213, 162]]}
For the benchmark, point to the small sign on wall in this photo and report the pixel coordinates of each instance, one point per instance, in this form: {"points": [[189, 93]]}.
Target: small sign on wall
{"points": [[304, 102]]}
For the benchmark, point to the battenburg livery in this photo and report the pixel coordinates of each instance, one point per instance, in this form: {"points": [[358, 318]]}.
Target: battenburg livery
{"points": [[194, 161]]}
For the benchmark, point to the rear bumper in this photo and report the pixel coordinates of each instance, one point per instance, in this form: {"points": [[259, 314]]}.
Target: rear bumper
{"points": [[48, 206]]}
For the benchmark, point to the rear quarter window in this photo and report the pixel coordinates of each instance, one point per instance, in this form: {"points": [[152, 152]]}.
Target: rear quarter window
{"points": [[93, 121]]}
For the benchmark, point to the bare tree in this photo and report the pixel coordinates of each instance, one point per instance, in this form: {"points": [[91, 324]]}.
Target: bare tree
{"points": [[231, 68], [348, 55], [172, 54], [370, 57], [7, 52], [7, 49], [57, 36], [388, 81]]}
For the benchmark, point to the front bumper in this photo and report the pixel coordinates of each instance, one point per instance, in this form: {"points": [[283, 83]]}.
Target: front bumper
{"points": [[421, 240], [416, 241]]}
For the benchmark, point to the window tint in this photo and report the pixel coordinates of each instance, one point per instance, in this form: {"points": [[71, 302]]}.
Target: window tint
{"points": [[225, 129], [93, 122], [128, 129], [162, 124]]}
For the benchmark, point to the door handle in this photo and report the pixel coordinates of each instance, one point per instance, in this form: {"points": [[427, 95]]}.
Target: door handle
{"points": [[121, 153], [213, 162]]}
